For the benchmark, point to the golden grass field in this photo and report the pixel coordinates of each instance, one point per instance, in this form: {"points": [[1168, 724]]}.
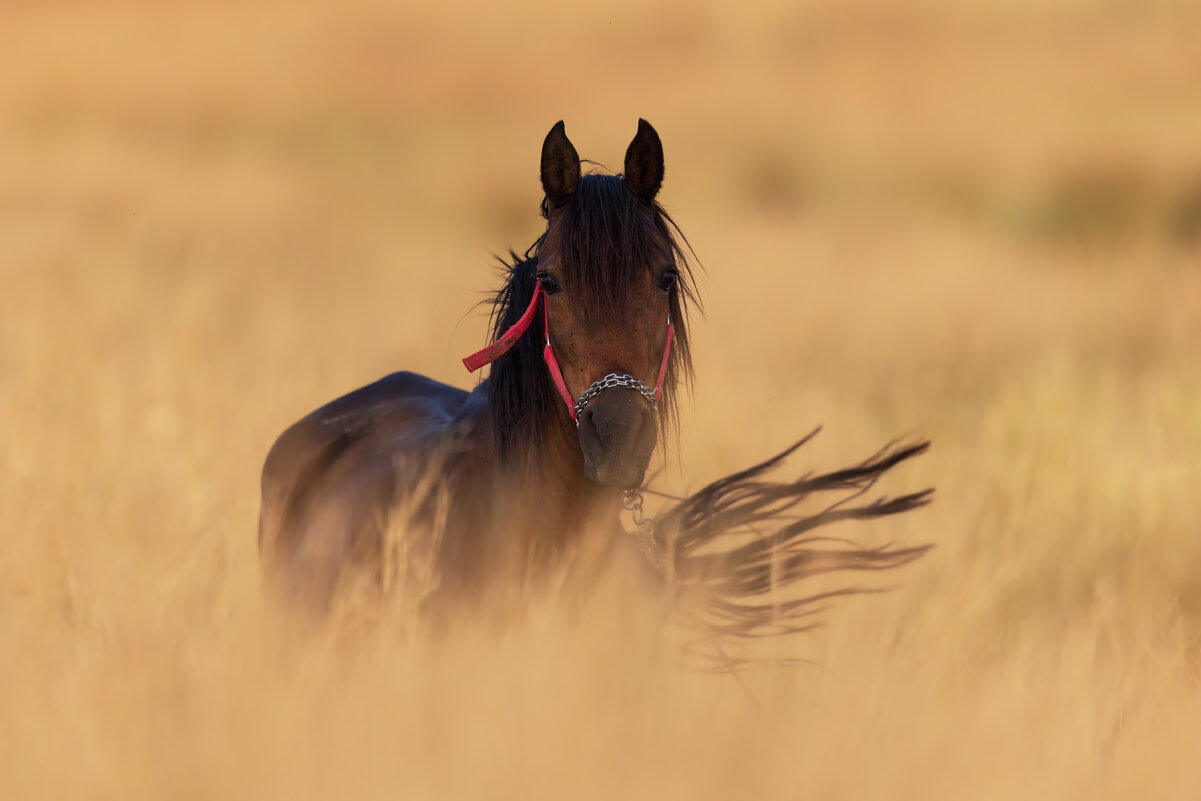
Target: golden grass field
{"points": [[975, 223]]}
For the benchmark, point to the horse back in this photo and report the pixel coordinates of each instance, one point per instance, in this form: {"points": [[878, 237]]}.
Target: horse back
{"points": [[331, 478]]}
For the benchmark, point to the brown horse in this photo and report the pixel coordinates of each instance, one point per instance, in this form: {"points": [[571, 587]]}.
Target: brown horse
{"points": [[546, 432], [589, 345]]}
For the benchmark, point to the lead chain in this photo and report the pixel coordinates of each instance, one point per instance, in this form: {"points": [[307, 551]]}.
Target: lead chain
{"points": [[631, 501]]}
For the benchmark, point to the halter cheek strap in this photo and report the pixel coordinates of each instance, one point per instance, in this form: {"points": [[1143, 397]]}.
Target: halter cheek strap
{"points": [[552, 364], [505, 342]]}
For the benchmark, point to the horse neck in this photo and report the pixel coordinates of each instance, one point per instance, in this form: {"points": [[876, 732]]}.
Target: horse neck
{"points": [[549, 480]]}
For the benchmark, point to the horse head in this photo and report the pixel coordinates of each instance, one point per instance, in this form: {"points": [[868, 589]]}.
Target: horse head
{"points": [[608, 269], [605, 289]]}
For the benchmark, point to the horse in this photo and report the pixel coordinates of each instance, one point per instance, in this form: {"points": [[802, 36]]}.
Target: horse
{"points": [[589, 352], [567, 419]]}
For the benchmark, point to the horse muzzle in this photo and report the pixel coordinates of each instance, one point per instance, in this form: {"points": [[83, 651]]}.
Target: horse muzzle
{"points": [[617, 437]]}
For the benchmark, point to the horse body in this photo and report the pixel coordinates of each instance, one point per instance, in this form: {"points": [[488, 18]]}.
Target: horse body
{"points": [[505, 478], [332, 482]]}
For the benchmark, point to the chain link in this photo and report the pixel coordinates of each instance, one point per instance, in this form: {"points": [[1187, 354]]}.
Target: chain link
{"points": [[631, 501]]}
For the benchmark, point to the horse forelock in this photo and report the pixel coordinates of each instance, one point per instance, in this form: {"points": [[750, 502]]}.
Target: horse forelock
{"points": [[603, 242]]}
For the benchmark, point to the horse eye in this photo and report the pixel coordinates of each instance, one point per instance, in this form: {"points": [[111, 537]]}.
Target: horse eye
{"points": [[668, 280], [548, 283]]}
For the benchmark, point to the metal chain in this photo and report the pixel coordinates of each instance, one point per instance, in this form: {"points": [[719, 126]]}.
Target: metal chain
{"points": [[612, 381], [631, 501]]}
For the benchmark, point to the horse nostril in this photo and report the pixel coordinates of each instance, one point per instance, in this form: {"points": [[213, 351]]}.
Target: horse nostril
{"points": [[648, 434], [590, 439]]}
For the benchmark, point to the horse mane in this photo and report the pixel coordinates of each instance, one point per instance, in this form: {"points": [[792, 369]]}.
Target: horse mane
{"points": [[608, 241], [743, 545]]}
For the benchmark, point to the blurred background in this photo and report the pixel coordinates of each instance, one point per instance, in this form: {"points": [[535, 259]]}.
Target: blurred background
{"points": [[978, 223]]}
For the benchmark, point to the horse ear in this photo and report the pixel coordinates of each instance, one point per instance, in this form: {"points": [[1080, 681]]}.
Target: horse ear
{"points": [[560, 166], [644, 162]]}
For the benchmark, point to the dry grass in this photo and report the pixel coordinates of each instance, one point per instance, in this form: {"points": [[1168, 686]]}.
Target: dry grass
{"points": [[977, 224]]}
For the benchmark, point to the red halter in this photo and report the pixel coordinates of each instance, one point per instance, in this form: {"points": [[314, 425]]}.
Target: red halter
{"points": [[509, 338]]}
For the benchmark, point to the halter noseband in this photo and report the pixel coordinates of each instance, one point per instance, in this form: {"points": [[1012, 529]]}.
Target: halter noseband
{"points": [[509, 338]]}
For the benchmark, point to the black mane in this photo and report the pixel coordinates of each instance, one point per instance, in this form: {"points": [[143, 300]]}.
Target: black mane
{"points": [[608, 241]]}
